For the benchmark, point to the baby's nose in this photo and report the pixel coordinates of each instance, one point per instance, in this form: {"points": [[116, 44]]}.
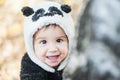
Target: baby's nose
{"points": [[53, 47]]}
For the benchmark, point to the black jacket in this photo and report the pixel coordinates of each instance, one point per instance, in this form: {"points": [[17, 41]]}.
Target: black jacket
{"points": [[31, 71]]}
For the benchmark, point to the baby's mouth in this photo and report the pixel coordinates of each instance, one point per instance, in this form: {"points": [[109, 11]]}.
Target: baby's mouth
{"points": [[53, 58]]}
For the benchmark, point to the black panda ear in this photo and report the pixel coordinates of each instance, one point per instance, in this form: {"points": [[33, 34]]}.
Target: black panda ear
{"points": [[66, 8], [27, 11]]}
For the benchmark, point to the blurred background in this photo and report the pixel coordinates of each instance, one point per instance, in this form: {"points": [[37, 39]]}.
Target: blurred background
{"points": [[96, 45]]}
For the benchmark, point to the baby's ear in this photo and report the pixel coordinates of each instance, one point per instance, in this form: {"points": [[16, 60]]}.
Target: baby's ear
{"points": [[27, 11], [66, 8]]}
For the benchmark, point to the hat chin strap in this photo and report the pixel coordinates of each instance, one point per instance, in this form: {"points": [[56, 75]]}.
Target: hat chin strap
{"points": [[45, 66]]}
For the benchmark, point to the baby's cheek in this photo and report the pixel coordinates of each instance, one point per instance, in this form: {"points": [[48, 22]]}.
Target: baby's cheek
{"points": [[65, 51], [41, 56], [38, 52]]}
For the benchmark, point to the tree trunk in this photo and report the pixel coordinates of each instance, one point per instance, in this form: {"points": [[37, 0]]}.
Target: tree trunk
{"points": [[97, 52]]}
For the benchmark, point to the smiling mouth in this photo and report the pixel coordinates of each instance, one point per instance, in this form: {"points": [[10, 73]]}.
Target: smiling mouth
{"points": [[53, 58]]}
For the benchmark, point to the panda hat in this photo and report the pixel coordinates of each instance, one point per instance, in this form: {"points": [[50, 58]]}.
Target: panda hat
{"points": [[43, 14]]}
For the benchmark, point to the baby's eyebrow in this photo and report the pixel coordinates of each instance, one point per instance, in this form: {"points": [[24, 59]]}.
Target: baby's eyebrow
{"points": [[64, 36], [39, 38], [61, 36]]}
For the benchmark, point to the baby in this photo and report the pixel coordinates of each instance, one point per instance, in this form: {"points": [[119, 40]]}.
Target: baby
{"points": [[48, 32]]}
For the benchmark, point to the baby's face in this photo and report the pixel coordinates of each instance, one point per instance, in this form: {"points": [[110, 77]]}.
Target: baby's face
{"points": [[51, 45]]}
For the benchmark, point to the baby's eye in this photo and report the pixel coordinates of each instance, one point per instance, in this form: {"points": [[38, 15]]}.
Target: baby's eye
{"points": [[59, 40], [43, 42]]}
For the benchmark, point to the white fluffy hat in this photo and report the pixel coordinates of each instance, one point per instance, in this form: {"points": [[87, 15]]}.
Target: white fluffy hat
{"points": [[43, 14]]}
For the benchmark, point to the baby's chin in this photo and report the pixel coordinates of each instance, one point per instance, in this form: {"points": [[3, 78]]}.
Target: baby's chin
{"points": [[54, 65]]}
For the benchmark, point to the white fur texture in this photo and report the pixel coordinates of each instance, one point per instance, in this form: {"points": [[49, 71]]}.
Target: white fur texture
{"points": [[31, 27]]}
